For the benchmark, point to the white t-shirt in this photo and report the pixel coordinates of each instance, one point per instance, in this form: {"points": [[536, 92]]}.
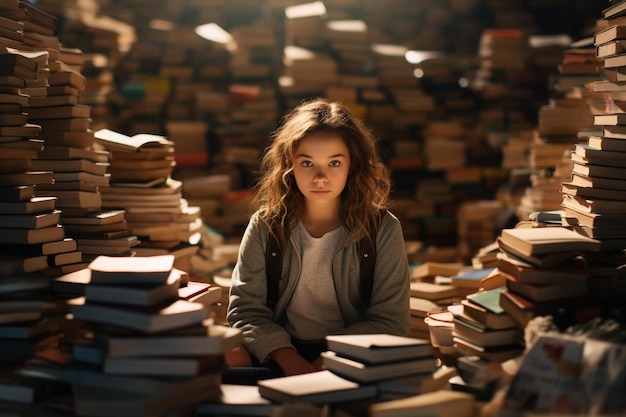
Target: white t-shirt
{"points": [[313, 311]]}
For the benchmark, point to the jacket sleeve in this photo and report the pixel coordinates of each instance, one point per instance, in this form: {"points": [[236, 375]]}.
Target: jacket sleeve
{"points": [[389, 308], [247, 308]]}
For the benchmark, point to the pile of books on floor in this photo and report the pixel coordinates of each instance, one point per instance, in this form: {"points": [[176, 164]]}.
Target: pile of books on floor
{"points": [[358, 368], [145, 350]]}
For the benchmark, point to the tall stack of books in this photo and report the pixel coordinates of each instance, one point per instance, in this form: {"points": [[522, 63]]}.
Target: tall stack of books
{"points": [[33, 237], [146, 349], [545, 270], [560, 122], [306, 73], [142, 186]]}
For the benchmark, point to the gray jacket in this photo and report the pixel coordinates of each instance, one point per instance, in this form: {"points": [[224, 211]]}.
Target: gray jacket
{"points": [[388, 311]]}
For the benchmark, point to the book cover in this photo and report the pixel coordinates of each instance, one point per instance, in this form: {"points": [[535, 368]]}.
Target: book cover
{"points": [[378, 348], [442, 403], [545, 240], [316, 388], [131, 270]]}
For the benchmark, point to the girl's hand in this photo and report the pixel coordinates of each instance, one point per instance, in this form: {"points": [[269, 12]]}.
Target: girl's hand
{"points": [[238, 356], [291, 362], [318, 363]]}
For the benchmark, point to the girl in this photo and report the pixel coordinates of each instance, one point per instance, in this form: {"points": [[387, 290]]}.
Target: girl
{"points": [[322, 189]]}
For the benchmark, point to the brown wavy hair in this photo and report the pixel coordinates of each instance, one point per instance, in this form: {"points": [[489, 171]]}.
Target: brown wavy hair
{"points": [[366, 194]]}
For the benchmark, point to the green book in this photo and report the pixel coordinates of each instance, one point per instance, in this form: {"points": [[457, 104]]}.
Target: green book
{"points": [[489, 299]]}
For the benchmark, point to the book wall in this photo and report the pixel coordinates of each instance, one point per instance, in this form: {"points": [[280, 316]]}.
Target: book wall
{"points": [[252, 74]]}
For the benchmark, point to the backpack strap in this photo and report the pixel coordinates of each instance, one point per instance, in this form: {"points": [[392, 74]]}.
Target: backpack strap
{"points": [[366, 249], [273, 268]]}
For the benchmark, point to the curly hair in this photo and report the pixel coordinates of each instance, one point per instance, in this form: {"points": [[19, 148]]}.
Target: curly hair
{"points": [[278, 199]]}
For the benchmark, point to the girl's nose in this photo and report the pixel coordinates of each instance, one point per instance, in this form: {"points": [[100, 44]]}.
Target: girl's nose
{"points": [[320, 178]]}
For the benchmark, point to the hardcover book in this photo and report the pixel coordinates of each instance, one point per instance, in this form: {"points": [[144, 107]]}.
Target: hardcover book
{"points": [[316, 388], [378, 348]]}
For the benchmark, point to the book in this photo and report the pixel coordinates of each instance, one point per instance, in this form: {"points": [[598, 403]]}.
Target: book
{"points": [[368, 372], [614, 10], [486, 317], [30, 221], [597, 205], [146, 270], [592, 170], [316, 388], [14, 264], [540, 261], [177, 314], [100, 218], [238, 400], [187, 366], [575, 269], [59, 112], [548, 292], [442, 403], [13, 179], [71, 153], [45, 248], [378, 348], [545, 240], [215, 340], [495, 354], [595, 220], [65, 258], [70, 165], [434, 292], [135, 295], [44, 234], [582, 181], [613, 47], [115, 141], [470, 278], [17, 193], [483, 336], [523, 309]]}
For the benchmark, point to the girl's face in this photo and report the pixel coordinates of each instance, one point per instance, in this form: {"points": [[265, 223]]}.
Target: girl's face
{"points": [[321, 166]]}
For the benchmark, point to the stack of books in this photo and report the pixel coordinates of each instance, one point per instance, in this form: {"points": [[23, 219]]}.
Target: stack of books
{"points": [[426, 297], [482, 327], [544, 268], [142, 186], [142, 339], [387, 361]]}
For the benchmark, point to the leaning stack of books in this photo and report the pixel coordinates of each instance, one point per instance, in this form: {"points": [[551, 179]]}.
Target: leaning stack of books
{"points": [[385, 360], [146, 349], [545, 269]]}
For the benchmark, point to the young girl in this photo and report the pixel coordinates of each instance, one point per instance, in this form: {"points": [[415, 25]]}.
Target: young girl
{"points": [[322, 189]]}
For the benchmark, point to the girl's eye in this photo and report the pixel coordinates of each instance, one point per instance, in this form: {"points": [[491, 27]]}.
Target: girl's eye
{"points": [[307, 164], [334, 164]]}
